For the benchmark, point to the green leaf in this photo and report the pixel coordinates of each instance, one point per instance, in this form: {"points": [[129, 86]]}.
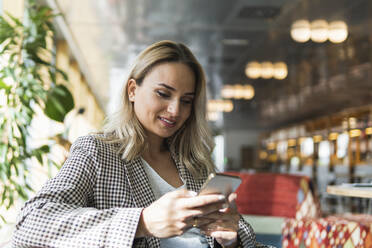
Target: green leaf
{"points": [[11, 200], [3, 196], [28, 187], [3, 219], [15, 166], [9, 72], [38, 156], [44, 148], [5, 86], [33, 29], [64, 75], [59, 103], [3, 176], [14, 19], [3, 152], [52, 75], [22, 193]]}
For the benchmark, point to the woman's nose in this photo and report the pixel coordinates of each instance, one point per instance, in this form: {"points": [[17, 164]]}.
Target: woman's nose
{"points": [[174, 108]]}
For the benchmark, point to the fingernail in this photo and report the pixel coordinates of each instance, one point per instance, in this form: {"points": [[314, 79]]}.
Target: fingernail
{"points": [[193, 193], [221, 197]]}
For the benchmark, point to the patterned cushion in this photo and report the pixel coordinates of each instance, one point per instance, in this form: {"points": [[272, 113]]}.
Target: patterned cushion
{"points": [[334, 231]]}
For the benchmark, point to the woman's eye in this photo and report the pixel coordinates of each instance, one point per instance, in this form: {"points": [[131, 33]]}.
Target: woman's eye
{"points": [[186, 101], [162, 94]]}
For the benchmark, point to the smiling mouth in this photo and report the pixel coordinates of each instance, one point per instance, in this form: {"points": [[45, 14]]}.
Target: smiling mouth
{"points": [[167, 122]]}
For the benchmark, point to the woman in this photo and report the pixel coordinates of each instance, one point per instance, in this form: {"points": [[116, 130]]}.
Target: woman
{"points": [[135, 183]]}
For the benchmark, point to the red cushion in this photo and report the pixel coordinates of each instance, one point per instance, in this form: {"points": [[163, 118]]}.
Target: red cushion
{"points": [[268, 194]]}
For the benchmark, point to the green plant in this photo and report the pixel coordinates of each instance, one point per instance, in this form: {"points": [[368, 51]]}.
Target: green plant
{"points": [[27, 80]]}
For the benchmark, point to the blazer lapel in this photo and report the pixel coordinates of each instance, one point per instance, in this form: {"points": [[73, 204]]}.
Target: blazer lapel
{"points": [[139, 183], [191, 183], [184, 173], [141, 190]]}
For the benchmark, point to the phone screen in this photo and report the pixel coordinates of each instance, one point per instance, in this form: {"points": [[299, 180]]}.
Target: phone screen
{"points": [[218, 183]]}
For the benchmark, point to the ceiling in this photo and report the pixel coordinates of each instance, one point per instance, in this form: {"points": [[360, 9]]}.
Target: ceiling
{"points": [[225, 35]]}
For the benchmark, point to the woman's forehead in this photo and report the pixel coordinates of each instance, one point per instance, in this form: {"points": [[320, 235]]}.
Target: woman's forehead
{"points": [[176, 75]]}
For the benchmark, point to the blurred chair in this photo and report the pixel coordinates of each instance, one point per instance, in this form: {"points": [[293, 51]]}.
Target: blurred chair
{"points": [[266, 200]]}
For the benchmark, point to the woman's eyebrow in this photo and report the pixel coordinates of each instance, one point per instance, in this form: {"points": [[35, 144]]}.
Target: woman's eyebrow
{"points": [[173, 89]]}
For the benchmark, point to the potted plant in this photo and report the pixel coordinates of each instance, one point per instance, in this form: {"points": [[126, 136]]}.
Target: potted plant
{"points": [[27, 81]]}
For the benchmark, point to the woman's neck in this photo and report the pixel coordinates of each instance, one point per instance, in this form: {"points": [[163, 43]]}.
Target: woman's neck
{"points": [[155, 148]]}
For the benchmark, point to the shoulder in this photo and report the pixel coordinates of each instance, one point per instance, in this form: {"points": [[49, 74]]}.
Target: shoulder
{"points": [[93, 145]]}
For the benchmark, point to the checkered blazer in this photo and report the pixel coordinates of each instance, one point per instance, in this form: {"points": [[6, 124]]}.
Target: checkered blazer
{"points": [[96, 200]]}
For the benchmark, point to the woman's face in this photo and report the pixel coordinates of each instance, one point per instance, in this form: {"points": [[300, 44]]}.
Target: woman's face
{"points": [[164, 100]]}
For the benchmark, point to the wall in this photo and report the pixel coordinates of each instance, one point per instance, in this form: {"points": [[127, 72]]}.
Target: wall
{"points": [[84, 98], [234, 140]]}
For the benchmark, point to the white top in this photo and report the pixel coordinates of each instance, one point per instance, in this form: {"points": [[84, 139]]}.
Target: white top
{"points": [[192, 237]]}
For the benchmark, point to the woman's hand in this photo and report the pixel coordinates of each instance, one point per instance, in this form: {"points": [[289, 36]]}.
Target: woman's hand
{"points": [[174, 213], [225, 225]]}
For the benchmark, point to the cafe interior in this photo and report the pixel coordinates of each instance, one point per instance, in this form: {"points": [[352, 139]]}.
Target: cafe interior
{"points": [[289, 86]]}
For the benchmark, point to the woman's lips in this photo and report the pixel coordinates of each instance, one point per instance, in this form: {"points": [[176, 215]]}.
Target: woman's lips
{"points": [[167, 122]]}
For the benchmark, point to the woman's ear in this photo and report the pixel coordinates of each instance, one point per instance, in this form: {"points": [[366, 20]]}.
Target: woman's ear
{"points": [[132, 85]]}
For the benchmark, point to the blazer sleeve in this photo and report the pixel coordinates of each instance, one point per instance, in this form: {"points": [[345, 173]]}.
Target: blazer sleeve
{"points": [[247, 236], [62, 213]]}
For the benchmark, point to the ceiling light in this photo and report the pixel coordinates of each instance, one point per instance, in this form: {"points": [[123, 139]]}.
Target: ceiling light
{"points": [[352, 122], [228, 106], [228, 91], [369, 131], [355, 133], [300, 31], [263, 155], [337, 31], [267, 70], [212, 106], [333, 136], [248, 92], [319, 31], [239, 91], [271, 146], [317, 138], [219, 105], [213, 116], [291, 142], [253, 70], [280, 70]]}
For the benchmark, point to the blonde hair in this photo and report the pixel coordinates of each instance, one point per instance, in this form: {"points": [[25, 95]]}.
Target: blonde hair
{"points": [[193, 142]]}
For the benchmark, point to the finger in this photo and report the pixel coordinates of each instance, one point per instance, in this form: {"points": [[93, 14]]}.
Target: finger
{"points": [[220, 225], [183, 193], [203, 200], [204, 211], [199, 222], [224, 235], [216, 216], [225, 238], [223, 211], [231, 199], [227, 216], [229, 210]]}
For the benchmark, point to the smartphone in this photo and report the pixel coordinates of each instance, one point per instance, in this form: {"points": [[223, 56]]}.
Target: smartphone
{"points": [[218, 183]]}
